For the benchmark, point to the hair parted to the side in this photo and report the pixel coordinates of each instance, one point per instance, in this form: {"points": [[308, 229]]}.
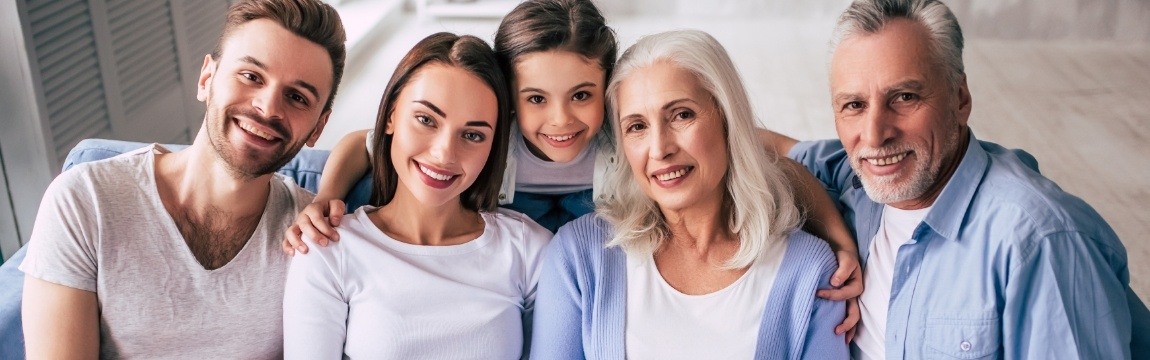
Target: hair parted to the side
{"points": [[866, 17], [544, 25], [310, 19], [761, 209], [476, 57]]}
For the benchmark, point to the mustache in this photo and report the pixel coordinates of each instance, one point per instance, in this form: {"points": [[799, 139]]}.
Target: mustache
{"points": [[250, 113]]}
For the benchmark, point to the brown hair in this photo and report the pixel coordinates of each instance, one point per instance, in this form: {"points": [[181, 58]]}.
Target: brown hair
{"points": [[475, 56], [543, 25], [309, 19]]}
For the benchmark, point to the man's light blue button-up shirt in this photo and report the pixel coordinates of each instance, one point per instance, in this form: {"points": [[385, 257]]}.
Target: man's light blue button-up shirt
{"points": [[1005, 264]]}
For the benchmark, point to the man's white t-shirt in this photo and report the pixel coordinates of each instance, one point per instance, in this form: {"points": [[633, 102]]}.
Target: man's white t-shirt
{"points": [[896, 228], [372, 296], [102, 228], [663, 323]]}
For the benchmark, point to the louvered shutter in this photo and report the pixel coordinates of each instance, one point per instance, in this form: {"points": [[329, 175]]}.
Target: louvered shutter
{"points": [[119, 69], [65, 51]]}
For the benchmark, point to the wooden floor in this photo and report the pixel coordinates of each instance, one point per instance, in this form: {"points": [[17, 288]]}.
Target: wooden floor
{"points": [[1082, 109]]}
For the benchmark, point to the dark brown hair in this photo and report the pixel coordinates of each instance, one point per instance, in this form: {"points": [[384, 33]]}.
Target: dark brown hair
{"points": [[309, 19], [543, 25], [475, 56]]}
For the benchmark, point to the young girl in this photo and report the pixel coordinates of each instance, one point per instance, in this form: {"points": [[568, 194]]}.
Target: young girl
{"points": [[436, 271], [558, 55]]}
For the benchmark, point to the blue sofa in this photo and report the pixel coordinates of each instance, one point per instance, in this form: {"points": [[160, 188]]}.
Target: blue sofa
{"points": [[305, 168]]}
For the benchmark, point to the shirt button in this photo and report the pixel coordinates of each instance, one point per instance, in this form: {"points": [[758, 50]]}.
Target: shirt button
{"points": [[965, 346]]}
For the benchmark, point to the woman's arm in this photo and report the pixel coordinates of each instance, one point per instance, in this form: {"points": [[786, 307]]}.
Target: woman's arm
{"points": [[824, 221], [557, 328], [315, 309], [346, 165]]}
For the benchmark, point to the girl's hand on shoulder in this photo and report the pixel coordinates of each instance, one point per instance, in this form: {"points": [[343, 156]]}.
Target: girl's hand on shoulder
{"points": [[317, 221]]}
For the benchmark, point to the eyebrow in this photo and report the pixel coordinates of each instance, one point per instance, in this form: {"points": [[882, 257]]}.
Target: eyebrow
{"points": [[479, 124], [303, 84], [904, 85], [431, 106], [576, 87], [665, 107]]}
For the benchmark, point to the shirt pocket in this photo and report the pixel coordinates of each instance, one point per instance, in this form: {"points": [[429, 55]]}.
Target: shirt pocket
{"points": [[963, 337]]}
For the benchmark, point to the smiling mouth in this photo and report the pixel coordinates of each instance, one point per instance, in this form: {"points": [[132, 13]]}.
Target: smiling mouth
{"points": [[255, 131], [433, 174], [889, 160], [673, 175], [562, 138]]}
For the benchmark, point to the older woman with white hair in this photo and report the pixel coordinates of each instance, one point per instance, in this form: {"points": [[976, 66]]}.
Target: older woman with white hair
{"points": [[696, 252]]}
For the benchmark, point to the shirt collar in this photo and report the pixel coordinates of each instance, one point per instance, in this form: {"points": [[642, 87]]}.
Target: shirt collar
{"points": [[951, 207]]}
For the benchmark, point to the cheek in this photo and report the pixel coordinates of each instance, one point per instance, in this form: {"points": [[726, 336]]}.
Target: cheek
{"points": [[636, 155], [592, 116], [530, 116]]}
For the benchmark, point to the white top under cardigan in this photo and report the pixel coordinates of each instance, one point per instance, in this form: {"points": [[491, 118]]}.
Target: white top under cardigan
{"points": [[580, 308], [372, 296], [720, 325]]}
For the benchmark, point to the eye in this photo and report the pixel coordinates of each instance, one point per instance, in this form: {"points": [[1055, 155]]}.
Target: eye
{"points": [[298, 98], [635, 127], [853, 106], [905, 97], [424, 119], [535, 99], [476, 137], [250, 77], [581, 96], [684, 115]]}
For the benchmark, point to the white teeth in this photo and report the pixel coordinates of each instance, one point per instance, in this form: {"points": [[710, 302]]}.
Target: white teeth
{"points": [[560, 138], [672, 175], [887, 160], [434, 175], [257, 132]]}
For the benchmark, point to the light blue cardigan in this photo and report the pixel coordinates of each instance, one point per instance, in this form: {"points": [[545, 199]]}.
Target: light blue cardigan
{"points": [[580, 305]]}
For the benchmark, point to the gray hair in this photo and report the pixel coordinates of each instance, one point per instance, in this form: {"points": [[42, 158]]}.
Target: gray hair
{"points": [[865, 17], [759, 205]]}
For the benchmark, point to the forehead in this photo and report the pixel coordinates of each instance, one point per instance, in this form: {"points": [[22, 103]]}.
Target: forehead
{"points": [[286, 56], [898, 52], [652, 86], [458, 92], [556, 67]]}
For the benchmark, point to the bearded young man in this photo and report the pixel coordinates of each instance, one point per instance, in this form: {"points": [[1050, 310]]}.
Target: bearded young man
{"points": [[157, 254]]}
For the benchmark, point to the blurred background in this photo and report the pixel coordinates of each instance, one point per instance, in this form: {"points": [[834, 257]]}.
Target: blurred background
{"points": [[1066, 80]]}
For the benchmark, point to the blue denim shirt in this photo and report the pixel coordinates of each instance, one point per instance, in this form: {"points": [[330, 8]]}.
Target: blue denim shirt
{"points": [[1004, 265]]}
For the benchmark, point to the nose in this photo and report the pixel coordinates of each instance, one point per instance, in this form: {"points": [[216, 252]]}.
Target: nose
{"points": [[269, 103], [877, 127], [561, 116], [443, 148], [662, 141]]}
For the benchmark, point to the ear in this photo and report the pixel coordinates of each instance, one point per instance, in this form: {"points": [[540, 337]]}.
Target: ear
{"points": [[207, 72], [390, 125], [964, 102], [318, 128]]}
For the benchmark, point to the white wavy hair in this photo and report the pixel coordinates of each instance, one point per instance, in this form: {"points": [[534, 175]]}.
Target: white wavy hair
{"points": [[759, 205], [866, 17]]}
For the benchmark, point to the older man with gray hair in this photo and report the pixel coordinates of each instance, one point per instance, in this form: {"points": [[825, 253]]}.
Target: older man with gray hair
{"points": [[968, 251]]}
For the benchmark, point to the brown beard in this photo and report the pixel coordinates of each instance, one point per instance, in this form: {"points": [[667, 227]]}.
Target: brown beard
{"points": [[216, 238], [242, 165]]}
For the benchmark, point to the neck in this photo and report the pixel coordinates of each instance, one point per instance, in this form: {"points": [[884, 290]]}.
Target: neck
{"points": [[409, 220], [698, 229], [196, 181]]}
